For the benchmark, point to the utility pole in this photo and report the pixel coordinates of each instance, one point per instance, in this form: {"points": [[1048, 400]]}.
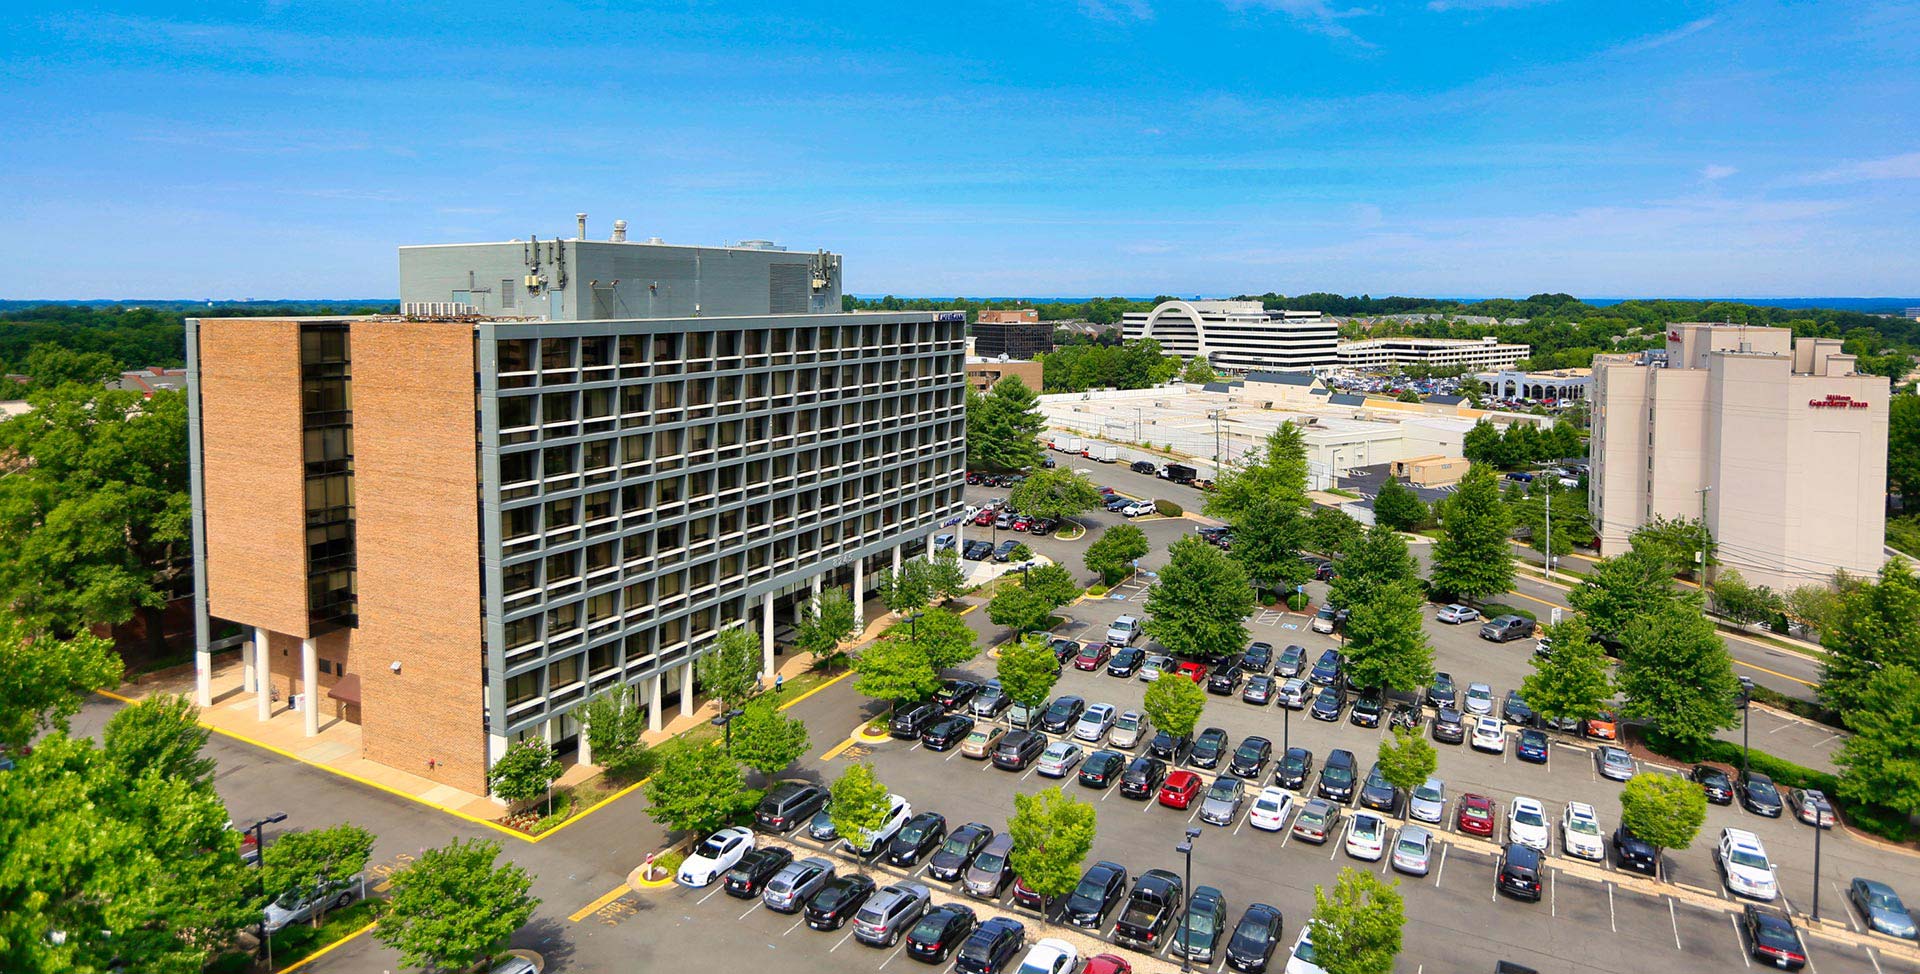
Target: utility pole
{"points": [[1549, 532], [1216, 444], [1705, 582]]}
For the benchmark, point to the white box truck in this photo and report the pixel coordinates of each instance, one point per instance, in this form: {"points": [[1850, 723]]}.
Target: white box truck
{"points": [[1109, 454], [1073, 445]]}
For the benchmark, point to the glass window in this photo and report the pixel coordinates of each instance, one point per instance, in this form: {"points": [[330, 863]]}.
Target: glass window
{"points": [[516, 411], [563, 513], [556, 353], [599, 403], [559, 461], [602, 606], [563, 566], [602, 556], [522, 688], [633, 350], [521, 577], [599, 505], [563, 618], [518, 467], [556, 407], [516, 355], [633, 448], [518, 522], [599, 454], [596, 351], [564, 672]]}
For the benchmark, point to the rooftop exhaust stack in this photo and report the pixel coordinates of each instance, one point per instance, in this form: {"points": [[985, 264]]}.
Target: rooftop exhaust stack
{"points": [[581, 220], [619, 231]]}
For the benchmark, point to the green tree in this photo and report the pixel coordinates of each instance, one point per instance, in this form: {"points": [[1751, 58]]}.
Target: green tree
{"points": [[50, 366], [1173, 704], [1407, 761], [1572, 683], [613, 723], [1741, 602], [1398, 507], [1332, 531], [1053, 583], [696, 789], [1198, 371], [1677, 542], [1112, 555], [1880, 763], [1052, 834], [768, 741], [730, 672], [1482, 445], [1552, 514], [822, 627], [1027, 670], [1380, 559], [894, 670], [42, 678], [1875, 625], [1276, 473], [1472, 559], [1387, 640], [1665, 810], [1903, 445], [455, 907], [94, 524], [1813, 607], [1676, 674], [1267, 539], [907, 589], [1198, 605], [1356, 929], [301, 861], [1618, 590], [1003, 427], [944, 578], [162, 735], [942, 635], [527, 771], [1020, 608], [1057, 493], [859, 805]]}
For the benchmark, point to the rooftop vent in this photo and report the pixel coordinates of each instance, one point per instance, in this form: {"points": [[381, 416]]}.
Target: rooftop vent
{"points": [[619, 231]]}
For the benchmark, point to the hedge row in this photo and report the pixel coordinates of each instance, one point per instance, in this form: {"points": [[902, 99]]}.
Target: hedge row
{"points": [[1883, 822]]}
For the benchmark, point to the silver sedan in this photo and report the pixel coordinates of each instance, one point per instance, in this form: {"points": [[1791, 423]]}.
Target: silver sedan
{"points": [[1413, 850]]}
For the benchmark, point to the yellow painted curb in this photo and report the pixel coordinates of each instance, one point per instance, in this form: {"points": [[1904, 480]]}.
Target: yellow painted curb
{"points": [[867, 738], [815, 690], [834, 751], [652, 883], [605, 898], [324, 951]]}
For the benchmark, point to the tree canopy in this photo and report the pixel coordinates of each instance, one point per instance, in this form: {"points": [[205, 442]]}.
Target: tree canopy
{"points": [[454, 907], [1616, 591], [1028, 670], [1113, 553], [895, 670], [1276, 473], [1380, 559], [730, 673], [1398, 507], [1387, 640], [1676, 674], [1003, 427], [1881, 761], [767, 740], [1052, 834], [42, 679], [1666, 810], [1472, 558], [1056, 493], [1174, 704], [1572, 682], [1357, 927], [1875, 625], [696, 789], [1198, 605]]}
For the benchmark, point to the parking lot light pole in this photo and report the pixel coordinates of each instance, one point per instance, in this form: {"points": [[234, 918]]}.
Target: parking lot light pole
{"points": [[1818, 818], [1746, 698], [1186, 892], [1286, 728], [725, 723]]}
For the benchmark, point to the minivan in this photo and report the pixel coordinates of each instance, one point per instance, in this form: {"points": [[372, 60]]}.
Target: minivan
{"points": [[788, 805], [909, 722], [989, 873]]}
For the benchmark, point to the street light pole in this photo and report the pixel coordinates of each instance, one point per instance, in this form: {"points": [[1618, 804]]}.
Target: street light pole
{"points": [[1286, 729], [1549, 532], [1819, 817], [260, 851], [1746, 698], [1186, 892], [725, 723]]}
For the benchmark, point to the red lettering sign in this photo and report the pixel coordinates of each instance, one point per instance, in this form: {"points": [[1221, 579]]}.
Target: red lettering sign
{"points": [[1673, 335], [1837, 402]]}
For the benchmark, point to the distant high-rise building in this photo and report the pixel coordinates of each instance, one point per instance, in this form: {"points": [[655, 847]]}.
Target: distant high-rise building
{"points": [[1017, 334], [1238, 336], [565, 467], [1780, 444]]}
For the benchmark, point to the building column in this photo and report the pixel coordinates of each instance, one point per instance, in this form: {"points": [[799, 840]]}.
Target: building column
{"points": [[246, 670], [585, 755], [816, 592], [686, 689], [931, 548], [859, 595], [766, 635], [262, 674], [653, 703], [202, 677], [310, 686], [896, 559]]}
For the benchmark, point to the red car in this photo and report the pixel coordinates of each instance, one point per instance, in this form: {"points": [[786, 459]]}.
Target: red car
{"points": [[1022, 523], [984, 518], [1107, 964], [1092, 656], [1476, 815], [1180, 789], [1197, 672], [1106, 491]]}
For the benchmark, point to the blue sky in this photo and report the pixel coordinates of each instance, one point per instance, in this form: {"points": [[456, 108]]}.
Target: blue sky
{"points": [[1452, 147]]}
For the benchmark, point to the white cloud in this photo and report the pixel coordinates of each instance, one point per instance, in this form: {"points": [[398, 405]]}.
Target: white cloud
{"points": [[1118, 11], [1318, 16], [1714, 173], [1664, 38], [1906, 166], [1442, 6]]}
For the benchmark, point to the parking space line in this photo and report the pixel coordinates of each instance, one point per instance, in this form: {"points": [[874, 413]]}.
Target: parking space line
{"points": [[1674, 916], [750, 909], [1443, 864], [843, 940], [1553, 893], [704, 899], [1615, 927], [890, 957], [796, 925], [1875, 960], [1737, 945]]}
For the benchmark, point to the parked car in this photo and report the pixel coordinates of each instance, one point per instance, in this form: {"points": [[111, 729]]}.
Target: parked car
{"points": [[1205, 921], [1094, 723], [1156, 898], [1811, 806], [1208, 748], [1377, 792], [1138, 509], [1291, 661], [940, 933], [1300, 958], [1527, 823], [1502, 629], [1515, 710], [821, 826], [1476, 815], [1329, 703], [1059, 759], [300, 905], [1271, 809], [1479, 699], [1714, 782], [867, 843], [1413, 850], [981, 741], [921, 834], [1618, 765], [1881, 908], [1143, 777], [1116, 503], [790, 889], [1251, 945], [1744, 865], [1442, 693], [909, 721], [1102, 887], [1772, 939], [1168, 747], [991, 701], [750, 875], [1223, 801], [1519, 873], [1258, 658], [1123, 630], [1004, 551], [1531, 746], [1632, 853], [988, 874], [1259, 690], [991, 946], [1325, 620], [945, 733], [1092, 656], [1428, 803], [1195, 671], [1366, 836], [957, 852], [1337, 776], [1603, 726], [1448, 727], [1295, 767], [1251, 757], [1293, 693], [838, 900], [715, 854], [1456, 614], [1153, 667], [1126, 662], [1225, 681], [1102, 768], [977, 550], [1489, 734], [1580, 833], [1317, 820], [1179, 790], [1143, 466], [788, 805], [1127, 729], [1366, 710], [890, 913], [1018, 749]]}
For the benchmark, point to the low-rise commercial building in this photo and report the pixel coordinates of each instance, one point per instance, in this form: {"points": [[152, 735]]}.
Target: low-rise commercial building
{"points": [[1457, 354], [1781, 445], [983, 373], [1430, 471], [1238, 336], [1560, 385], [455, 526]]}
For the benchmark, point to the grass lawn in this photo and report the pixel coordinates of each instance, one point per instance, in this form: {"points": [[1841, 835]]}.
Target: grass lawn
{"points": [[294, 943]]}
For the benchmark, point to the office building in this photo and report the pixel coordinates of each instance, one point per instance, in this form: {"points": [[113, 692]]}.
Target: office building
{"points": [[1441, 354], [1015, 334], [983, 373], [1238, 336], [570, 466], [1559, 385], [1780, 444]]}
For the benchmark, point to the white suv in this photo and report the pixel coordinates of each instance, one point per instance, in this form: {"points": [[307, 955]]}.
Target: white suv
{"points": [[1743, 861], [1122, 631], [898, 811], [1580, 832]]}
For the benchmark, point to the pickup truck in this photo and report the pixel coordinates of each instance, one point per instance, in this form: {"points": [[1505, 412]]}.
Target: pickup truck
{"points": [[1179, 473], [1157, 896]]}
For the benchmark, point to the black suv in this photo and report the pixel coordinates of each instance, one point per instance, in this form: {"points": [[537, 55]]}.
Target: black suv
{"points": [[1208, 748], [1224, 681], [1295, 767], [1336, 777], [1448, 727], [788, 805], [908, 723], [1126, 662], [1103, 886], [1631, 852], [1258, 658], [938, 933], [1442, 693], [1018, 749], [1061, 714], [1519, 872], [1143, 777], [991, 946]]}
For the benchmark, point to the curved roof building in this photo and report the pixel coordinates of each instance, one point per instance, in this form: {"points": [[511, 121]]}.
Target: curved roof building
{"points": [[1239, 335]]}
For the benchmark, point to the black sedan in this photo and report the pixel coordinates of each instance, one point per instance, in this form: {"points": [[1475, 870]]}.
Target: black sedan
{"points": [[954, 694], [1254, 938], [956, 854], [1061, 714], [1759, 796], [1295, 767], [946, 732], [1377, 793], [1714, 782], [1366, 711], [748, 876], [1515, 711], [1442, 692], [1258, 691], [1167, 747], [1126, 662], [1102, 887], [939, 933], [1102, 768], [1143, 777], [1634, 853], [1771, 938], [920, 835], [838, 900], [1251, 757], [977, 551], [1208, 748], [1328, 703], [1224, 681]]}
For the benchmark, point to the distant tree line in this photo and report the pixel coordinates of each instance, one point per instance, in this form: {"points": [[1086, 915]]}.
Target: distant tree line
{"points": [[132, 336]]}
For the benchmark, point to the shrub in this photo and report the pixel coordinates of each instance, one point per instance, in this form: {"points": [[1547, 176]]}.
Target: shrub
{"points": [[1096, 590], [1167, 508], [1492, 609], [1883, 822], [1297, 601], [669, 862]]}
